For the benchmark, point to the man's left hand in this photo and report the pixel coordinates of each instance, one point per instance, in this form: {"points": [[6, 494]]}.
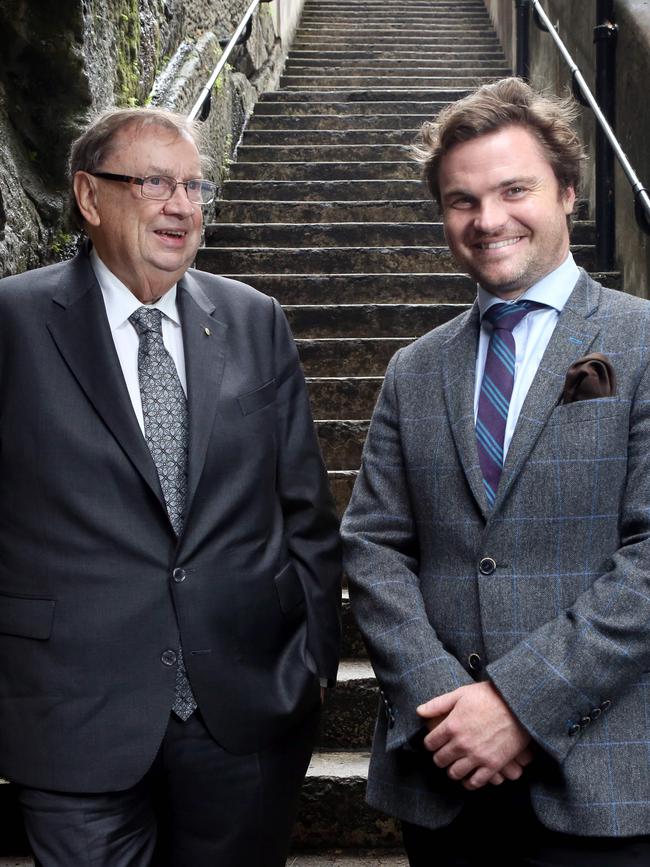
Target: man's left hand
{"points": [[479, 736]]}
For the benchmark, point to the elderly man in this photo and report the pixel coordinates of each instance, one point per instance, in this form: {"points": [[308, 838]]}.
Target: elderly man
{"points": [[497, 537], [169, 577]]}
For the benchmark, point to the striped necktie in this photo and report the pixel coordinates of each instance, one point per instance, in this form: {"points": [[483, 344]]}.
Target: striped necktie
{"points": [[496, 389]]}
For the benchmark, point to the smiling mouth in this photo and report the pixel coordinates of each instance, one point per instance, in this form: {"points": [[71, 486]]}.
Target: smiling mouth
{"points": [[497, 245], [170, 233]]}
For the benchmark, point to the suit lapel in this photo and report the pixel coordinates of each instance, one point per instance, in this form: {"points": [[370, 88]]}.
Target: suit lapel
{"points": [[459, 373], [80, 329], [204, 342], [573, 337]]}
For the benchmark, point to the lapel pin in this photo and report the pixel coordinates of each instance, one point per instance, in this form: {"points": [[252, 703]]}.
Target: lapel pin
{"points": [[207, 331]]}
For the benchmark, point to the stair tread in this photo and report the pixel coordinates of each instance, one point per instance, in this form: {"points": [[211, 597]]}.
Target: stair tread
{"points": [[339, 764]]}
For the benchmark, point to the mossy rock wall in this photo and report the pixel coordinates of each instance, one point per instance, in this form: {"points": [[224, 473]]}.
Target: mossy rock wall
{"points": [[61, 62]]}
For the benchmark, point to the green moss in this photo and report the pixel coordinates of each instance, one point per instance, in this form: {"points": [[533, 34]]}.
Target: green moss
{"points": [[61, 242], [127, 83]]}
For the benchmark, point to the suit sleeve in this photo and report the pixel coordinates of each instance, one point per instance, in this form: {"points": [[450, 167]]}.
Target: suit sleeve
{"points": [[381, 560], [311, 525], [573, 668]]}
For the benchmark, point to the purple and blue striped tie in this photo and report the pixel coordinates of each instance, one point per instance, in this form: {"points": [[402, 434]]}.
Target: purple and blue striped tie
{"points": [[496, 389]]}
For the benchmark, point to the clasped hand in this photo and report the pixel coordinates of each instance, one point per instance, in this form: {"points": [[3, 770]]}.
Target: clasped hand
{"points": [[475, 736]]}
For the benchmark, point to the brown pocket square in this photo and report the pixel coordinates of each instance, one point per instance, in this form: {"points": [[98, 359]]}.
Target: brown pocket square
{"points": [[589, 377]]}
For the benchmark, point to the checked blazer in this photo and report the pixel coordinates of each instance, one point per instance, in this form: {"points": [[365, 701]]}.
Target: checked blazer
{"points": [[547, 594]]}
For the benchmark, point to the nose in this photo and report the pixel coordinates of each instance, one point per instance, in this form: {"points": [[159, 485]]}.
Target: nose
{"points": [[490, 216], [179, 204]]}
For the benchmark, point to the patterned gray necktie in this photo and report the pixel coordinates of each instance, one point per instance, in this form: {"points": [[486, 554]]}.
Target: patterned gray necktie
{"points": [[164, 408]]}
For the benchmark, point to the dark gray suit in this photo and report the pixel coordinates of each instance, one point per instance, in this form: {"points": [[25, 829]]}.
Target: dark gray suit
{"points": [[94, 587], [561, 624]]}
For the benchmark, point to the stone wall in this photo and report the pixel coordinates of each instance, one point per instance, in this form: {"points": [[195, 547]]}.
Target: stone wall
{"points": [[61, 62], [575, 22]]}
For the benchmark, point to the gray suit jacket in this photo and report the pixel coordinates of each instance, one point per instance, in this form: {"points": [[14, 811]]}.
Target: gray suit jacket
{"points": [[562, 624]]}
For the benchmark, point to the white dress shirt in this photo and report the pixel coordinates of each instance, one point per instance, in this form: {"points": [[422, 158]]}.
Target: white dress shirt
{"points": [[120, 303], [531, 335]]}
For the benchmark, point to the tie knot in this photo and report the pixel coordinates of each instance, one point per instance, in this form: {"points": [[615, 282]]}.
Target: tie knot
{"points": [[146, 319], [508, 316]]}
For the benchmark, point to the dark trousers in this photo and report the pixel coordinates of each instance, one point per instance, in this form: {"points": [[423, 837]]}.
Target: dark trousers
{"points": [[498, 826], [198, 806]]}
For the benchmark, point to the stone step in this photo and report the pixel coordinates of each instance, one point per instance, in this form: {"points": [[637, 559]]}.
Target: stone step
{"points": [[358, 101], [424, 43], [407, 83], [301, 152], [341, 484], [381, 67], [312, 171], [323, 137], [333, 121], [332, 806], [348, 356], [351, 397], [296, 212], [337, 858], [341, 440], [367, 320], [324, 191], [352, 646], [348, 234], [340, 106], [349, 712], [341, 260], [458, 53], [429, 37]]}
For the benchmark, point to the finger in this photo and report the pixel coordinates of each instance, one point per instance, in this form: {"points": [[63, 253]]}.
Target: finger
{"points": [[438, 738], [512, 771], [434, 721], [525, 757], [447, 755], [461, 769], [438, 706], [481, 777], [496, 780]]}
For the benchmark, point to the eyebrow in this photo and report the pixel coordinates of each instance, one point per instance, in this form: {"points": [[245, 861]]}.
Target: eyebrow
{"points": [[509, 182]]}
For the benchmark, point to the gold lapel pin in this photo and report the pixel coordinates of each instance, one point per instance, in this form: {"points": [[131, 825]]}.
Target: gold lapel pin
{"points": [[207, 332]]}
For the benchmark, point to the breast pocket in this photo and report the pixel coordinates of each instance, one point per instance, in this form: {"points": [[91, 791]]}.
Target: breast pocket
{"points": [[252, 401]]}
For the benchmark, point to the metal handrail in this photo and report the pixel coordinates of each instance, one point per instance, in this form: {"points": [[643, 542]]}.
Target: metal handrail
{"points": [[201, 107], [641, 197]]}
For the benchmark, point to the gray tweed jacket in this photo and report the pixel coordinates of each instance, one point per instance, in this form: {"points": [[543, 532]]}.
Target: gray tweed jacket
{"points": [[562, 624]]}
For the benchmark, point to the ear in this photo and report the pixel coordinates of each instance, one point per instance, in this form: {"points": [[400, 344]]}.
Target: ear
{"points": [[85, 191], [568, 196]]}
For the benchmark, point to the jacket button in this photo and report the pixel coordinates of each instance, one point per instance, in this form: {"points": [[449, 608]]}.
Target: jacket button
{"points": [[595, 712], [475, 662], [584, 722], [179, 575], [487, 566], [574, 729], [605, 705], [168, 657]]}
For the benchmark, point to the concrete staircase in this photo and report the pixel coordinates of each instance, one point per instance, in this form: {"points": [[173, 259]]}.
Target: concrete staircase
{"points": [[325, 210]]}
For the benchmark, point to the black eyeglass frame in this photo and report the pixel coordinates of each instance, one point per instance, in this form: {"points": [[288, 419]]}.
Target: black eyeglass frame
{"points": [[130, 179]]}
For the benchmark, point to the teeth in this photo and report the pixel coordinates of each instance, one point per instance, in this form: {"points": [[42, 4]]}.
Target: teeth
{"points": [[169, 232], [495, 245]]}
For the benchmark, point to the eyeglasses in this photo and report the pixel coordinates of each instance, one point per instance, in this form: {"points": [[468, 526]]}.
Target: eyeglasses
{"points": [[199, 191]]}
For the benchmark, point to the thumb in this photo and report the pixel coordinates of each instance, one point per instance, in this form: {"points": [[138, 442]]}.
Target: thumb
{"points": [[439, 706]]}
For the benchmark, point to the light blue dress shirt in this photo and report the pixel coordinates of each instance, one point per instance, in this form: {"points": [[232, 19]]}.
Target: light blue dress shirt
{"points": [[531, 335]]}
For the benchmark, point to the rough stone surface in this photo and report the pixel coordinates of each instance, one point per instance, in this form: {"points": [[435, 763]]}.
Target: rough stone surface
{"points": [[61, 62]]}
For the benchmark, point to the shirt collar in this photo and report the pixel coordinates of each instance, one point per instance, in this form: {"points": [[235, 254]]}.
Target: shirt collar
{"points": [[552, 290], [120, 302]]}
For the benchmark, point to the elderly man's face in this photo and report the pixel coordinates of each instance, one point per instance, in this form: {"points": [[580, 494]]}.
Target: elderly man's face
{"points": [[147, 243], [503, 211]]}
